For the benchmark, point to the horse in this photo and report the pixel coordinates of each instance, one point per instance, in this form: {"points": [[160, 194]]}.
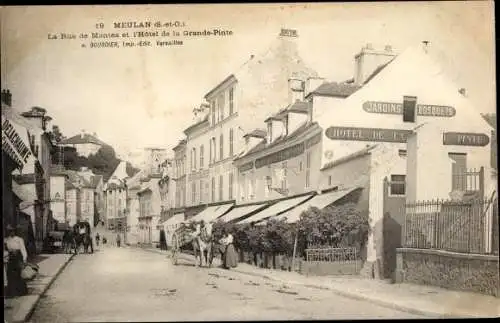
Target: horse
{"points": [[202, 246], [69, 242]]}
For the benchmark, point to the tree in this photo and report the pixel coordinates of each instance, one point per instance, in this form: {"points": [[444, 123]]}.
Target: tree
{"points": [[335, 226]]}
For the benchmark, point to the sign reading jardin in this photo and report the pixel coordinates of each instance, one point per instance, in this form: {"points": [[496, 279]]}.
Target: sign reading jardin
{"points": [[13, 144], [367, 134], [425, 110], [465, 139]]}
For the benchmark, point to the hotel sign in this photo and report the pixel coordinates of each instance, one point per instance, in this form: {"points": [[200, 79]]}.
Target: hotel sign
{"points": [[425, 110], [13, 144], [465, 139], [368, 134], [281, 155]]}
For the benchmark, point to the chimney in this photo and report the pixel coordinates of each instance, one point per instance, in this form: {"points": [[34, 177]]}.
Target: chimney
{"points": [[7, 97], [288, 33], [311, 84], [425, 44], [368, 60], [295, 90], [82, 134], [463, 91]]}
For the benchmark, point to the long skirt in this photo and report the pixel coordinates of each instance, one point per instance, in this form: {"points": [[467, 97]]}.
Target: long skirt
{"points": [[230, 257], [16, 286]]}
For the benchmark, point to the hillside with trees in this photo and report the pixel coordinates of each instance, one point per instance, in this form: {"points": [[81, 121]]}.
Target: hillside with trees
{"points": [[104, 162]]}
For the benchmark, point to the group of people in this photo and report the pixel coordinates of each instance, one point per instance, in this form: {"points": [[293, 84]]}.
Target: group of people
{"points": [[225, 244], [15, 257]]}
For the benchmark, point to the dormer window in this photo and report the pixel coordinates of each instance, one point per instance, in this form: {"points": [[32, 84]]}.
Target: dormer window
{"points": [[269, 132]]}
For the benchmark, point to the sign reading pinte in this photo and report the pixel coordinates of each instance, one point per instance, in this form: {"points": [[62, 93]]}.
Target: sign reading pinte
{"points": [[368, 134], [465, 139], [425, 110]]}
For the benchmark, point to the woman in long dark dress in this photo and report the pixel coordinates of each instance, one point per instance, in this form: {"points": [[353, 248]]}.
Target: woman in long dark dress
{"points": [[16, 286], [230, 258]]}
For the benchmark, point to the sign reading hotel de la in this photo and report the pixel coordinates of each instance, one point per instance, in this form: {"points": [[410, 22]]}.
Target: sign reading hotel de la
{"points": [[425, 110], [368, 134]]}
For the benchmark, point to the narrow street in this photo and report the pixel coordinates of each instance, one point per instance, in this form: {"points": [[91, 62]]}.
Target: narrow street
{"points": [[126, 284]]}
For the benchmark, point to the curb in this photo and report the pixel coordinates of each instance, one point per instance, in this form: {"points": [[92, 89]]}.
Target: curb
{"points": [[35, 303]]}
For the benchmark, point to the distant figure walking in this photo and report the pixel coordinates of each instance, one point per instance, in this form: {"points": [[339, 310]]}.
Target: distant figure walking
{"points": [[97, 239], [104, 240], [118, 240], [163, 240]]}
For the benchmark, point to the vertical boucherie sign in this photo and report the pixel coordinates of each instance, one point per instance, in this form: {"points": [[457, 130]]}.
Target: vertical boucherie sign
{"points": [[13, 143]]}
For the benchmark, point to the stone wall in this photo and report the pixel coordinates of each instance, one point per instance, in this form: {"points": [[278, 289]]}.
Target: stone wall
{"points": [[457, 271], [326, 268]]}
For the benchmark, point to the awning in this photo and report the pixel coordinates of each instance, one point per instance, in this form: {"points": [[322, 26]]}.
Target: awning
{"points": [[211, 213], [15, 140], [275, 209], [319, 201], [241, 211], [174, 221], [27, 197]]}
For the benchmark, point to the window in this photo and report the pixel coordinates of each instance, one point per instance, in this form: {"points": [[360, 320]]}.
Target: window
{"points": [[330, 180], [193, 192], [300, 166], [201, 191], [213, 189], [212, 111], [231, 142], [221, 102], [242, 186], [308, 160], [267, 180], [231, 182], [231, 101], [221, 146], [211, 151], [194, 158], [409, 108], [458, 170], [402, 153], [220, 188], [283, 180], [213, 154], [308, 178], [398, 185], [202, 152]]}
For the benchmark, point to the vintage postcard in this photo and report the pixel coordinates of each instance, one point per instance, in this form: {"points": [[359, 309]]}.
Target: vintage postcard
{"points": [[241, 162]]}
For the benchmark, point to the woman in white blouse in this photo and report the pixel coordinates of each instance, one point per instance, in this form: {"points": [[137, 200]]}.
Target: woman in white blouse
{"points": [[16, 286], [230, 258]]}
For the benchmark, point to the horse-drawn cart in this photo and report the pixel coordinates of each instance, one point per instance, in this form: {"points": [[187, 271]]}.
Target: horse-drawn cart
{"points": [[182, 236]]}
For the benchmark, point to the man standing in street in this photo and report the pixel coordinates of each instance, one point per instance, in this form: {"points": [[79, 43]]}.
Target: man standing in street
{"points": [[118, 240]]}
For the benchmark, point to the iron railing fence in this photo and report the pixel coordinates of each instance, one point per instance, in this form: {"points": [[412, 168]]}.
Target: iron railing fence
{"points": [[457, 226], [340, 255], [469, 181]]}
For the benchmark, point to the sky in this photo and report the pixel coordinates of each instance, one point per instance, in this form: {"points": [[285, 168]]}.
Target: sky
{"points": [[144, 97]]}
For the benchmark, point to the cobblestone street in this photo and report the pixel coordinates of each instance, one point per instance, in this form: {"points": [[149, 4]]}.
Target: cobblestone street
{"points": [[126, 284]]}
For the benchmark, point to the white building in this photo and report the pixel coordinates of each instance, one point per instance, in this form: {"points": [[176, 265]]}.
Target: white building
{"points": [[406, 123], [233, 108], [85, 144], [58, 194]]}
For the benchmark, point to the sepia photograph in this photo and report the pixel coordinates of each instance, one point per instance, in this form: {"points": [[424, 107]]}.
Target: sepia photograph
{"points": [[247, 162]]}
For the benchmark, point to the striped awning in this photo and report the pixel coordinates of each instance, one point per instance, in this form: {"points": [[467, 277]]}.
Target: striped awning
{"points": [[241, 211], [211, 213], [319, 201], [276, 209]]}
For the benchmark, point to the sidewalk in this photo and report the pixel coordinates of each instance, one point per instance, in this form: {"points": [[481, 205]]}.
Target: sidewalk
{"points": [[417, 299], [20, 308]]}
